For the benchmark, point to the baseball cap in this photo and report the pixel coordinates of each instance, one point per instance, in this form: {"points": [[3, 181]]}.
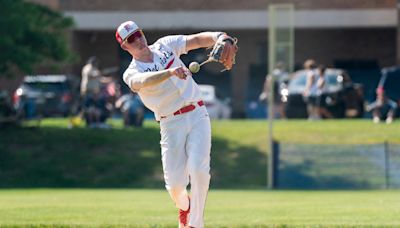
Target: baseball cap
{"points": [[125, 30]]}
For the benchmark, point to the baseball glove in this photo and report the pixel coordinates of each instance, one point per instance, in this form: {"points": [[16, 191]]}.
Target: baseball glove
{"points": [[224, 51]]}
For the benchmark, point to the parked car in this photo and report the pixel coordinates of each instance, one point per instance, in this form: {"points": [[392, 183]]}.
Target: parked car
{"points": [[217, 107], [343, 98], [45, 95]]}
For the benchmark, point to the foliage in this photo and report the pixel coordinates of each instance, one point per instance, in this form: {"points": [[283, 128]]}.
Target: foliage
{"points": [[31, 34]]}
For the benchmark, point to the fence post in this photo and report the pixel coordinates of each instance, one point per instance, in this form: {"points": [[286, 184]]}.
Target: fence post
{"points": [[387, 164], [275, 164]]}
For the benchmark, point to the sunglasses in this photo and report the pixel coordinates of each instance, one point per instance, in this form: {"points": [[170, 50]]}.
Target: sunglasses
{"points": [[136, 35]]}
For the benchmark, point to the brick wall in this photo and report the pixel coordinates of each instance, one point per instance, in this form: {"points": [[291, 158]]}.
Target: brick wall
{"points": [[340, 44], [218, 5], [100, 44]]}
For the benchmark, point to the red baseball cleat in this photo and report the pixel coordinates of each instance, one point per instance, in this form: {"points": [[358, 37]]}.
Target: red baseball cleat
{"points": [[184, 217]]}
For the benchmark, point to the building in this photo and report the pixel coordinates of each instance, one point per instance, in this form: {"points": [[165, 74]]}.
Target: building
{"points": [[356, 35]]}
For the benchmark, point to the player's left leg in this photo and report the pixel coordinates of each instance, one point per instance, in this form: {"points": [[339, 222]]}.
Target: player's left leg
{"points": [[198, 147], [174, 160]]}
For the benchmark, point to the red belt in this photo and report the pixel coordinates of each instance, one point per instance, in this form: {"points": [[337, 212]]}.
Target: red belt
{"points": [[186, 109]]}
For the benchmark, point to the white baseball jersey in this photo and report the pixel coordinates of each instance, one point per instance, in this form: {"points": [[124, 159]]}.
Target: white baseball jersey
{"points": [[172, 94]]}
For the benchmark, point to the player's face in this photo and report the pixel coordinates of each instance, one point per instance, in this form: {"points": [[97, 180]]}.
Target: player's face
{"points": [[137, 41]]}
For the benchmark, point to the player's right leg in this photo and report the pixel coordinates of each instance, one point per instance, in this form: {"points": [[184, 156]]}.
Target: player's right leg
{"points": [[198, 147]]}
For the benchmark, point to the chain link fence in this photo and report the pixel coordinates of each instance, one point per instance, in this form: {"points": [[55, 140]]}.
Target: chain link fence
{"points": [[309, 166]]}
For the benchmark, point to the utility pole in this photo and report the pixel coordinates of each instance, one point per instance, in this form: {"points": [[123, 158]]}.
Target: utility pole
{"points": [[271, 113], [280, 50]]}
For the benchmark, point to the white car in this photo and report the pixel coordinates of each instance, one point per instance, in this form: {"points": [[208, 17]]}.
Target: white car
{"points": [[216, 107]]}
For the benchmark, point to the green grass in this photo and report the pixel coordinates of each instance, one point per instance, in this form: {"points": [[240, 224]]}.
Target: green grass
{"points": [[154, 208], [361, 131], [254, 133], [251, 132], [55, 156]]}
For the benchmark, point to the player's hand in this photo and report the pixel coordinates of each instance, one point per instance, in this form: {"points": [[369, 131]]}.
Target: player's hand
{"points": [[181, 72]]}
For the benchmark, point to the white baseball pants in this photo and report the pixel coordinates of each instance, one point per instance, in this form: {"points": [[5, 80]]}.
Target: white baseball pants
{"points": [[185, 150]]}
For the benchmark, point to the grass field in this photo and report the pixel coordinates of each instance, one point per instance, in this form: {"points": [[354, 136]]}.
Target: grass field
{"points": [[336, 131], [55, 156], [255, 132], [225, 208]]}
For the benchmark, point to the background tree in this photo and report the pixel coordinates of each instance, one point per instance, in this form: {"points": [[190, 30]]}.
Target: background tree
{"points": [[31, 34]]}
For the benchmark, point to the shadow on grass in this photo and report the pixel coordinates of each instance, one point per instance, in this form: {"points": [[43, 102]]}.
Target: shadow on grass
{"points": [[57, 157], [237, 166], [296, 176]]}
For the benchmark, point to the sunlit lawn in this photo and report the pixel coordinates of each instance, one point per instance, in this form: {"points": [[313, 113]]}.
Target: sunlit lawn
{"points": [[153, 208]]}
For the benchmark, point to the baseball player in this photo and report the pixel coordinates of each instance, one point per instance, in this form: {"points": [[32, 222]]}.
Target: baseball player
{"points": [[166, 87]]}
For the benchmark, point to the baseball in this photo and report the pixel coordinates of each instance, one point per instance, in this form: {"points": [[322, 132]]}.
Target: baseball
{"points": [[194, 67]]}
